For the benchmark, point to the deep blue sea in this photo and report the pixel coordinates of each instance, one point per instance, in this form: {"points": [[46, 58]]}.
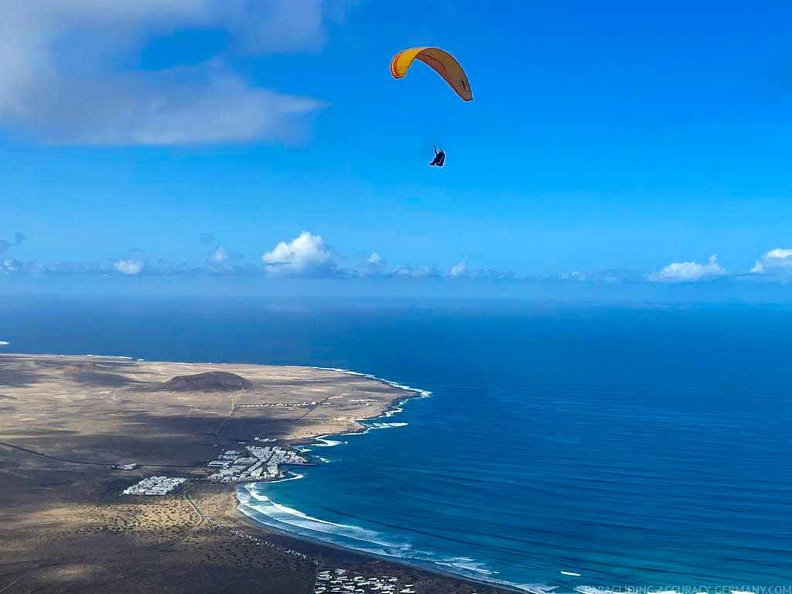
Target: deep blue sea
{"points": [[641, 445]]}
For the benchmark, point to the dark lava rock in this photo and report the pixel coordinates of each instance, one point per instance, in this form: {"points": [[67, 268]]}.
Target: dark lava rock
{"points": [[213, 381]]}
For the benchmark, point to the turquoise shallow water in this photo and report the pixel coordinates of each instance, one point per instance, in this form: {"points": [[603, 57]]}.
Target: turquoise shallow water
{"points": [[632, 446]]}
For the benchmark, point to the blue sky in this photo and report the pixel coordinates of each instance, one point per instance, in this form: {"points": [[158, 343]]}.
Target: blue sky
{"points": [[606, 140]]}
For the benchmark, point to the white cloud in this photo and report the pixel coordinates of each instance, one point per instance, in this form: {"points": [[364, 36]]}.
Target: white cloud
{"points": [[222, 260], [681, 272], [305, 255], [775, 262], [286, 25], [577, 275], [374, 266], [413, 272], [8, 265], [129, 267], [62, 77], [460, 269], [218, 255], [203, 105]]}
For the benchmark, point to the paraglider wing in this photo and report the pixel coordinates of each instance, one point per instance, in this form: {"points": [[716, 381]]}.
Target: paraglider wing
{"points": [[440, 61]]}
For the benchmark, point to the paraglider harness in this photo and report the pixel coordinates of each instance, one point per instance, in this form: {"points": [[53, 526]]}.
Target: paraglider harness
{"points": [[439, 158]]}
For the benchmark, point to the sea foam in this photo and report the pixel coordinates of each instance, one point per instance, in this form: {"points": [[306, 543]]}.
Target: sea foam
{"points": [[385, 425], [264, 510]]}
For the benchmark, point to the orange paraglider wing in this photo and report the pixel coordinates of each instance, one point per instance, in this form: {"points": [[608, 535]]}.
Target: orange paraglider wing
{"points": [[440, 61]]}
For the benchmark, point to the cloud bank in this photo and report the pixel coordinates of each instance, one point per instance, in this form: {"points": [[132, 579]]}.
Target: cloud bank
{"points": [[460, 269], [308, 255], [775, 263], [686, 272], [129, 267], [64, 75]]}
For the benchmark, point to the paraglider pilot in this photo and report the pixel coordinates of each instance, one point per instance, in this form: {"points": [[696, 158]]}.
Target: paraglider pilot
{"points": [[439, 158]]}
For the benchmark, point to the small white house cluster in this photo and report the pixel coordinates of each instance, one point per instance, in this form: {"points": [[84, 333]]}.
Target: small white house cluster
{"points": [[124, 466], [339, 581], [258, 463], [304, 404], [155, 485]]}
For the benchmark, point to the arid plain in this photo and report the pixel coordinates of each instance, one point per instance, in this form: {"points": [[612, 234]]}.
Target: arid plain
{"points": [[66, 421]]}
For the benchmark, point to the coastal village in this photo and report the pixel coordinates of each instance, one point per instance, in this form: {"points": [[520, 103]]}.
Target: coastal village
{"points": [[256, 463], [306, 404], [340, 581], [263, 463], [155, 485], [259, 463]]}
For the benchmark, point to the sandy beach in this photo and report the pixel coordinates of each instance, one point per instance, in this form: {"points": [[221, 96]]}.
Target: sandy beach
{"points": [[68, 425]]}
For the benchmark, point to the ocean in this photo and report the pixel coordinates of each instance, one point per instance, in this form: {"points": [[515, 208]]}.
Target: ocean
{"points": [[576, 446]]}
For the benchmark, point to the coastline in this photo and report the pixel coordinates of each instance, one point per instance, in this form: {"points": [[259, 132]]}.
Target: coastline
{"points": [[332, 440], [350, 557], [79, 431]]}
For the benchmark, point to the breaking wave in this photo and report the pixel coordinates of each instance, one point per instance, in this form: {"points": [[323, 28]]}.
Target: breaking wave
{"points": [[260, 508], [265, 511], [371, 425], [419, 391], [325, 442]]}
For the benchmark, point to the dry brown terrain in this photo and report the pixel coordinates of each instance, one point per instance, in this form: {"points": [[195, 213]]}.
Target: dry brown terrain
{"points": [[64, 527]]}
